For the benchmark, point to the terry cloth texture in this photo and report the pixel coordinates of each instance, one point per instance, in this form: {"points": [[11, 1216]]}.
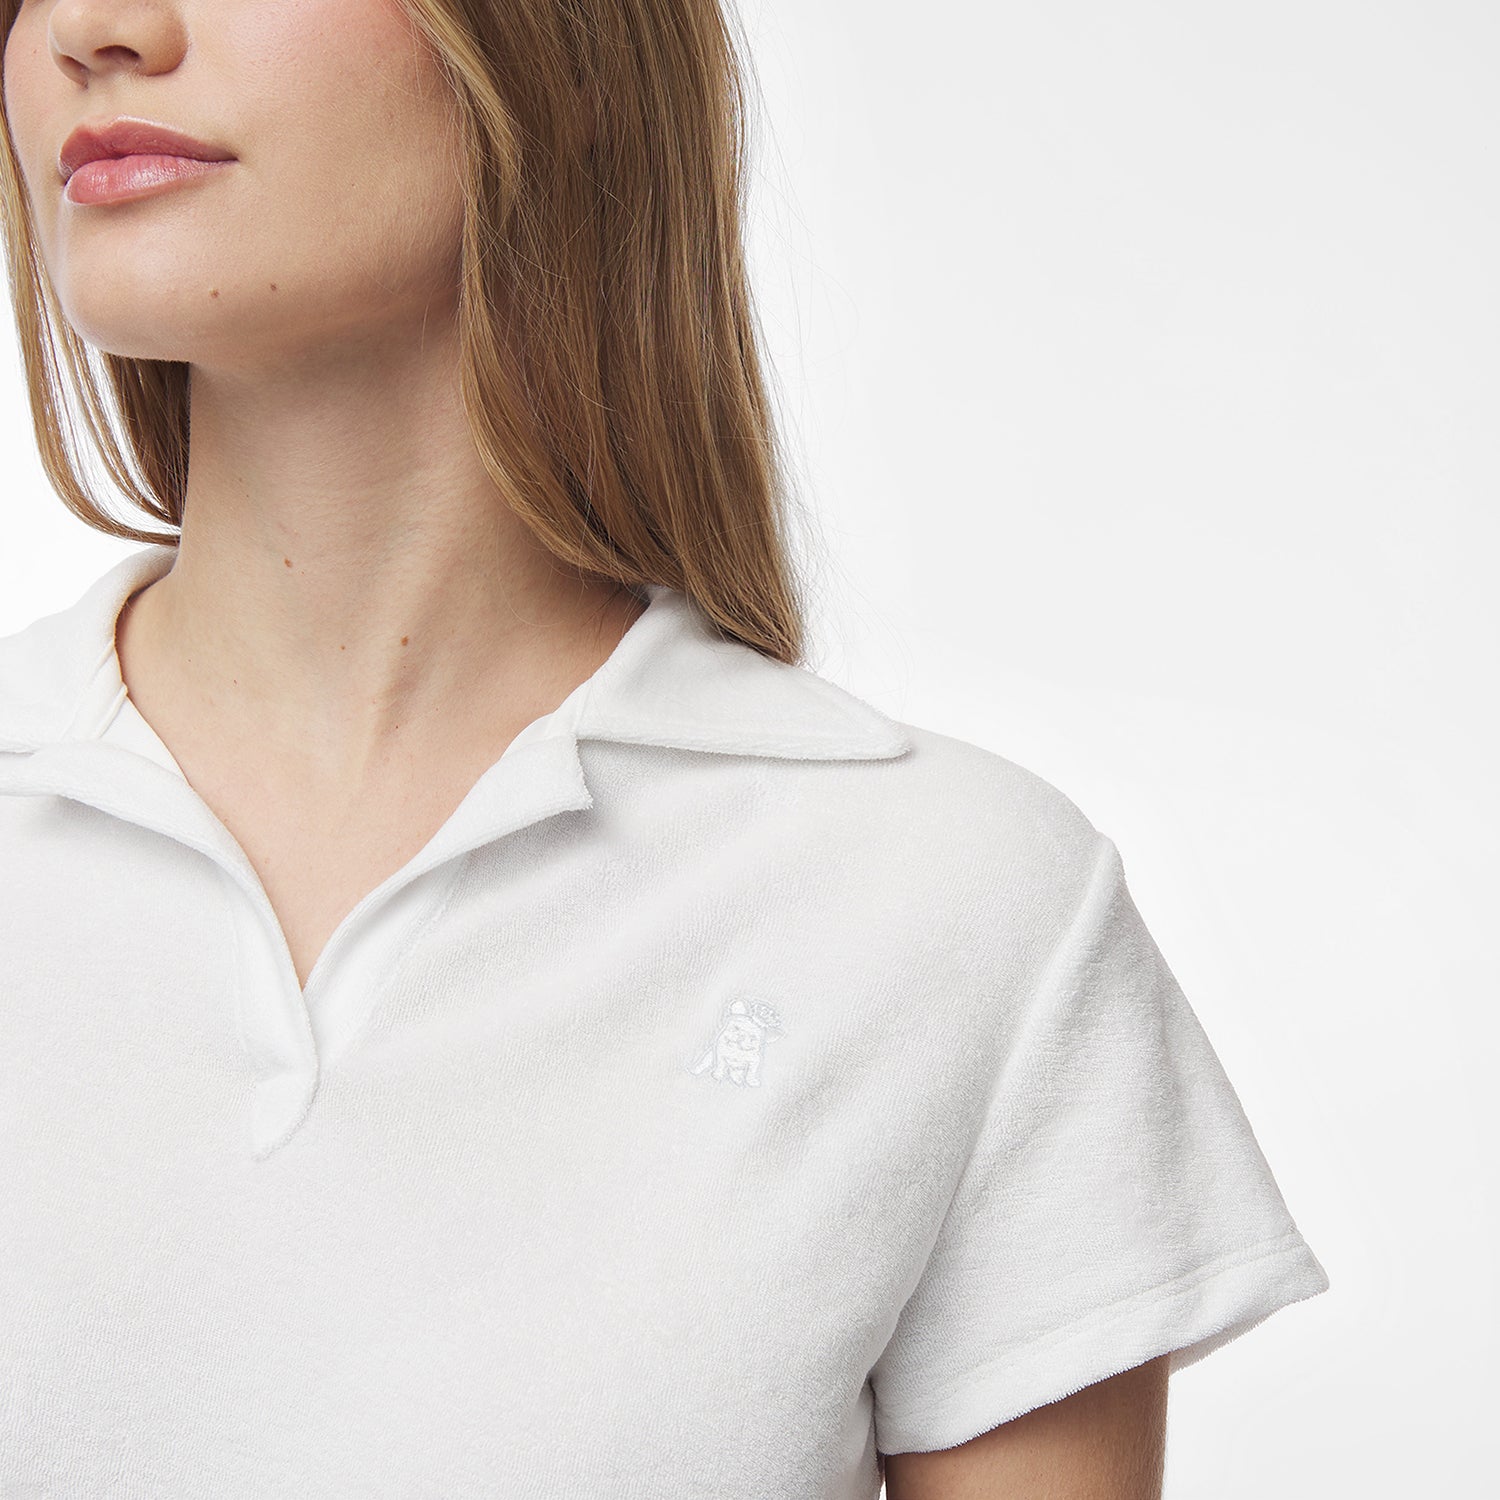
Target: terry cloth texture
{"points": [[739, 1085]]}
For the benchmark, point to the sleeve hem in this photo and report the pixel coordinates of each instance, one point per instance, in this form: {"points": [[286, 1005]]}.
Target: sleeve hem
{"points": [[1187, 1317]]}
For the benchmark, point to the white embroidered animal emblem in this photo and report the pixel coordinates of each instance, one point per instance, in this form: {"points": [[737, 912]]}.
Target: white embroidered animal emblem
{"points": [[736, 1051]]}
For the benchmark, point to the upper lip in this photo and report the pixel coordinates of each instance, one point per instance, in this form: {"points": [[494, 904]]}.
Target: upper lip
{"points": [[127, 136]]}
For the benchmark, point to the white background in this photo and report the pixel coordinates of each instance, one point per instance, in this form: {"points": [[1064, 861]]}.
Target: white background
{"points": [[1139, 365]]}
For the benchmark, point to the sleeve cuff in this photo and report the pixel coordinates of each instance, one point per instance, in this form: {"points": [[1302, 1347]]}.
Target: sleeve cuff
{"points": [[1187, 1317]]}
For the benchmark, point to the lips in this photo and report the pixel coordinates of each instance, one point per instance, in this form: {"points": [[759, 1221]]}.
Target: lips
{"points": [[127, 136]]}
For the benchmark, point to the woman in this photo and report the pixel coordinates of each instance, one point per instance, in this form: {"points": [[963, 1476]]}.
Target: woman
{"points": [[481, 1017]]}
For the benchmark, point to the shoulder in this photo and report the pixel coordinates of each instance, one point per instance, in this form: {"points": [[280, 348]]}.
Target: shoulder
{"points": [[934, 857], [986, 847], [825, 773], [925, 885], [919, 845], [966, 794]]}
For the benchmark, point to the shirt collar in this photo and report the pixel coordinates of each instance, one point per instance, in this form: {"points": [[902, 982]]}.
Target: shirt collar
{"points": [[672, 681]]}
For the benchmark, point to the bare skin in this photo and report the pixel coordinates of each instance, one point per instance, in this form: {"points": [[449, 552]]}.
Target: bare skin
{"points": [[1105, 1442], [321, 833], [355, 626]]}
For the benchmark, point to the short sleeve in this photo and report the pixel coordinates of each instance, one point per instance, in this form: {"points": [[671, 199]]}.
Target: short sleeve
{"points": [[1115, 1207]]}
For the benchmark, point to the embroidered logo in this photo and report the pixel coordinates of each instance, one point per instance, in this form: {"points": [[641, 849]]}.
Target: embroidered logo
{"points": [[745, 1033]]}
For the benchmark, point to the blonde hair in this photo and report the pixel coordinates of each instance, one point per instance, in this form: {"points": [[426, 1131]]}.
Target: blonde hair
{"points": [[611, 368]]}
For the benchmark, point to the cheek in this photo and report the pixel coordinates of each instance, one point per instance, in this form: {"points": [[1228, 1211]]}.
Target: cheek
{"points": [[348, 120], [22, 100], [353, 72]]}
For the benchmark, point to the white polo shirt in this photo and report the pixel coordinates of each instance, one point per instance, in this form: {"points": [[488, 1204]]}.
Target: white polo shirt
{"points": [[738, 1086]]}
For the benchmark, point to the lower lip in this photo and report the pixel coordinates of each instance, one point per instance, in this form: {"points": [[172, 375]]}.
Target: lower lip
{"points": [[119, 178]]}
